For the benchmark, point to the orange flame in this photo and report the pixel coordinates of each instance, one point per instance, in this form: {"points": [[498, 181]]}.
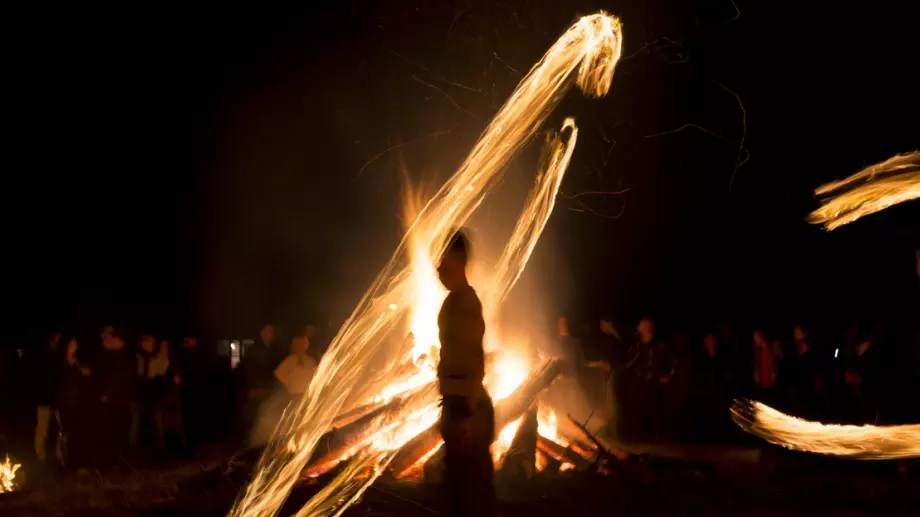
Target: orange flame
{"points": [[870, 190], [861, 442], [8, 474]]}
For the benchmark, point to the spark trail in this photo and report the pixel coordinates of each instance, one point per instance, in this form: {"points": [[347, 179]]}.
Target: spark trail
{"points": [[367, 355], [870, 190], [861, 442]]}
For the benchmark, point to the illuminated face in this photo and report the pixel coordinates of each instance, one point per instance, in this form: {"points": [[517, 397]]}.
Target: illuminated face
{"points": [[72, 347], [148, 344], [712, 346], [300, 344], [646, 330], [267, 334], [799, 334], [607, 326]]}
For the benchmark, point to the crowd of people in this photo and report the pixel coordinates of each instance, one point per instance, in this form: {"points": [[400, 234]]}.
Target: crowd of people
{"points": [[97, 407], [111, 400], [677, 388]]}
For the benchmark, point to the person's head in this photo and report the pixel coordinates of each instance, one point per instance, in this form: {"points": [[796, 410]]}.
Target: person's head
{"points": [[760, 338], [190, 343], [54, 339], [646, 330], [607, 326], [711, 345], [562, 326], [452, 270], [106, 335], [72, 348], [310, 331], [113, 341], [163, 348], [267, 334], [800, 334], [300, 344], [148, 343]]}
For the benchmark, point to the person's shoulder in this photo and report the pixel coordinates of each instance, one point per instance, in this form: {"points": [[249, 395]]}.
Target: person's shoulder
{"points": [[468, 296]]}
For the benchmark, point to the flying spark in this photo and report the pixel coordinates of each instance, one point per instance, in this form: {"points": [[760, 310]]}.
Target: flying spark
{"points": [[870, 190], [861, 442], [367, 356]]}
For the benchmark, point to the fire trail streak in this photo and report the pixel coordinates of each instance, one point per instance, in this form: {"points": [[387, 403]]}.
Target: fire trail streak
{"points": [[860, 442], [407, 287], [870, 190]]}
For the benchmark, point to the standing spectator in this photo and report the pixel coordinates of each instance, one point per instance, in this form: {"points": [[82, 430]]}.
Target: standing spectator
{"points": [[677, 389], [294, 373], [50, 366], [73, 393], [861, 375], [297, 369], [802, 377], [117, 372], [650, 367], [711, 392], [259, 362], [766, 356], [147, 404], [168, 400], [610, 347], [193, 372]]}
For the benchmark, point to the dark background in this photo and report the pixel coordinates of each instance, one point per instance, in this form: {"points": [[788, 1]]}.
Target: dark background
{"points": [[211, 168]]}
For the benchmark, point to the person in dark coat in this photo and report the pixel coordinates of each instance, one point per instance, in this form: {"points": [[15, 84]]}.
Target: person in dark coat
{"points": [[258, 364], [117, 370], [74, 392], [47, 376], [649, 368]]}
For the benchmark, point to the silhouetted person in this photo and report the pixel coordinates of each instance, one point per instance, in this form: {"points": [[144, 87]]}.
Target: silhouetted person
{"points": [[467, 416], [117, 372], [650, 367], [194, 373], [293, 375], [73, 393], [48, 376], [802, 377], [259, 363], [148, 391], [712, 386], [767, 355], [862, 375]]}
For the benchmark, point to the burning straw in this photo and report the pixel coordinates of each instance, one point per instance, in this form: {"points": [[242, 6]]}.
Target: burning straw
{"points": [[866, 442], [870, 190]]}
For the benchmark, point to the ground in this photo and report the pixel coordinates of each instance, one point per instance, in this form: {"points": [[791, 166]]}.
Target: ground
{"points": [[782, 484]]}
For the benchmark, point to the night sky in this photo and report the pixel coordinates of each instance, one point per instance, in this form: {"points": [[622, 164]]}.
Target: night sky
{"points": [[178, 169]]}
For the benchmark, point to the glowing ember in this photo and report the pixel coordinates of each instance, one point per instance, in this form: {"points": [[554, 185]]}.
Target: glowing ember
{"points": [[366, 360], [870, 190], [8, 474], [866, 442]]}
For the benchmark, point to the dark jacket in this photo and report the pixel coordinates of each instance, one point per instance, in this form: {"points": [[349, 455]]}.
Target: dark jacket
{"points": [[259, 366], [49, 368], [117, 373]]}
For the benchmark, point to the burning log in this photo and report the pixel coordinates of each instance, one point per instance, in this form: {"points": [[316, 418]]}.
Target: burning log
{"points": [[506, 411], [562, 454]]}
